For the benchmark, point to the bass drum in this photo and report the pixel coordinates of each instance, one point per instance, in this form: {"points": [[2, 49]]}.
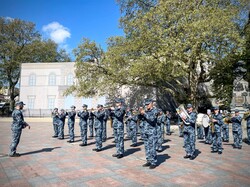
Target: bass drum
{"points": [[205, 121], [199, 120]]}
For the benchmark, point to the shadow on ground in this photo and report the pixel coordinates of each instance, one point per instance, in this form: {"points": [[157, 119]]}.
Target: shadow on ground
{"points": [[41, 150]]}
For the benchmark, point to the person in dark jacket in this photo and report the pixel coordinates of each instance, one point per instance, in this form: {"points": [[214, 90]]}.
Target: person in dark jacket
{"points": [[17, 125]]}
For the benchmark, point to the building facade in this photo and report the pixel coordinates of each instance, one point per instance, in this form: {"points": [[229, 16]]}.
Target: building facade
{"points": [[42, 87]]}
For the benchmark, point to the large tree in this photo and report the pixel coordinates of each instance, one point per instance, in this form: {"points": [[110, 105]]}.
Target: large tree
{"points": [[20, 43], [168, 45]]}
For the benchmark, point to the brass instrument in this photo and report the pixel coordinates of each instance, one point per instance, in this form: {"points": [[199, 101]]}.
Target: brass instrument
{"points": [[246, 115], [211, 123], [227, 119], [181, 111]]}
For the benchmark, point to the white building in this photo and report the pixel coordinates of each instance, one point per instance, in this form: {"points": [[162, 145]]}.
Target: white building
{"points": [[42, 87]]}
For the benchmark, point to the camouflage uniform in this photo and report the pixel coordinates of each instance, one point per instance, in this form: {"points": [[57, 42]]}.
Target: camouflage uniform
{"points": [[248, 128], [62, 117], [104, 128], [98, 125], [91, 123], [127, 121], [84, 116], [237, 131], [118, 125], [132, 124], [71, 123], [141, 120], [180, 126], [189, 134], [200, 132], [56, 121], [160, 131], [168, 120], [217, 140], [16, 127], [225, 131], [150, 134]]}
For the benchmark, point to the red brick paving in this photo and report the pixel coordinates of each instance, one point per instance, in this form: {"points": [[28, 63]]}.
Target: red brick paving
{"points": [[46, 161]]}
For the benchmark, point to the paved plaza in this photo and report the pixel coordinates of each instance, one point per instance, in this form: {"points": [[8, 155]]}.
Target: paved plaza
{"points": [[46, 161]]}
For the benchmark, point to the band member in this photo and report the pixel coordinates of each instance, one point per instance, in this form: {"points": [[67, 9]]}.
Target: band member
{"points": [[16, 127], [160, 130], [180, 125], [91, 124], [98, 125], [118, 114], [104, 129], [84, 116], [168, 121], [189, 132], [150, 122], [62, 117], [132, 125], [217, 122], [127, 120], [141, 124], [247, 118], [71, 124], [200, 132], [225, 127], [208, 130], [56, 121], [237, 130]]}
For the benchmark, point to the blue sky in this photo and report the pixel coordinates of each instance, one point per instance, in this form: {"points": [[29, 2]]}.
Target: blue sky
{"points": [[68, 21]]}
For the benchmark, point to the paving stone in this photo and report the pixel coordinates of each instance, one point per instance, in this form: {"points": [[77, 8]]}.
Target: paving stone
{"points": [[46, 161]]}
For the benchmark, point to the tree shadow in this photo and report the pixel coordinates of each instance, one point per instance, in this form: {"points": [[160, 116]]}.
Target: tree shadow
{"points": [[40, 151], [131, 151], [162, 158]]}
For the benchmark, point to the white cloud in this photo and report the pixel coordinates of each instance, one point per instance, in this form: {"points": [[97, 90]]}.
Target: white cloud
{"points": [[57, 32]]}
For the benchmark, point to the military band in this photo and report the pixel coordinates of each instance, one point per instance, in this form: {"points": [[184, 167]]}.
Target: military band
{"points": [[151, 122]]}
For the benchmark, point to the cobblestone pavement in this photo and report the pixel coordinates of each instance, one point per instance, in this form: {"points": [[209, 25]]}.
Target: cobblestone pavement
{"points": [[46, 161]]}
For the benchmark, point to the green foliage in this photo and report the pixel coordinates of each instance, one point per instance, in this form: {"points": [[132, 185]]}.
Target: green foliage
{"points": [[20, 43], [168, 45]]}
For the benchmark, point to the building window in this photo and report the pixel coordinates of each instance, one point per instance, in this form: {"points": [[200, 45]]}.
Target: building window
{"points": [[70, 79], [52, 79], [31, 102], [32, 80], [51, 102]]}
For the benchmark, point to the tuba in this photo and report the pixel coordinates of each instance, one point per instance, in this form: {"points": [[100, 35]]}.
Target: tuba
{"points": [[181, 111]]}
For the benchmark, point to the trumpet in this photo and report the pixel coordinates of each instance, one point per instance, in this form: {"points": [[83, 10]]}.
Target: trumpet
{"points": [[181, 111]]}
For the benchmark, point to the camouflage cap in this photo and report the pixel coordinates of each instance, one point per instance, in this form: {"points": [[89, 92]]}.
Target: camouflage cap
{"points": [[216, 107], [99, 106], [19, 103], [148, 101], [236, 111]]}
